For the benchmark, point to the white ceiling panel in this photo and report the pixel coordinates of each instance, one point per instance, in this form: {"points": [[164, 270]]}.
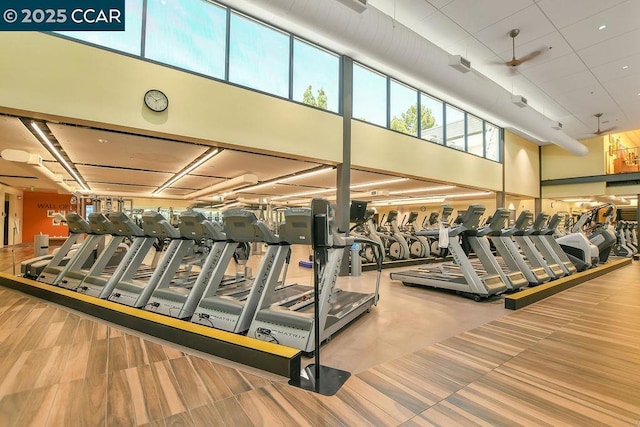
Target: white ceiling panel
{"points": [[440, 30], [474, 15], [611, 50], [26, 183], [122, 176], [197, 182], [618, 19], [15, 135], [559, 48], [439, 4], [619, 89], [552, 70], [563, 13], [406, 11], [129, 151], [614, 70], [531, 22], [568, 83], [120, 188], [230, 164]]}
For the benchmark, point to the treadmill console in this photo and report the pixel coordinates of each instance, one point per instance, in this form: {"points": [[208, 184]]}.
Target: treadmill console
{"points": [[122, 225], [524, 220], [296, 228], [471, 218], [555, 220], [446, 213], [77, 224], [99, 223], [241, 225], [194, 225], [155, 225], [539, 223], [498, 220]]}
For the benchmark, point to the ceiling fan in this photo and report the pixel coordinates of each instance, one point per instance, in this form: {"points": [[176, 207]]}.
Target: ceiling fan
{"points": [[601, 131], [517, 61]]}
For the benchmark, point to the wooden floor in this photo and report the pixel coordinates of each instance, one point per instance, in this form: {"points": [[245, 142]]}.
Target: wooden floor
{"points": [[573, 359]]}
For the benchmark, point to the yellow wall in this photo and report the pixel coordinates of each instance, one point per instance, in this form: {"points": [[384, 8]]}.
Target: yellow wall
{"points": [[573, 190], [559, 163], [522, 166], [59, 78], [380, 149]]}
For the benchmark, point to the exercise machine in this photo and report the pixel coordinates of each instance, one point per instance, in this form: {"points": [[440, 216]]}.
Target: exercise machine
{"points": [[550, 249], [233, 308], [461, 276], [109, 255], [292, 322]]}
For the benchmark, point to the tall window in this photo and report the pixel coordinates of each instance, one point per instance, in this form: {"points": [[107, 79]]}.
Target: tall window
{"points": [[475, 135], [258, 56], [455, 127], [369, 95], [403, 108], [316, 76], [189, 34], [129, 40], [432, 119], [492, 138]]}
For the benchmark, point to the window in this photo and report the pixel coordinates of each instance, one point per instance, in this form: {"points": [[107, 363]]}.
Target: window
{"points": [[128, 41], [369, 96], [316, 76], [258, 56], [404, 108], [432, 123], [475, 135], [455, 127], [189, 34], [492, 138]]}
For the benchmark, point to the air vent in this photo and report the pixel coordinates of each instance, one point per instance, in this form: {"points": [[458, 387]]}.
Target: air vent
{"points": [[460, 63], [357, 5], [557, 126], [519, 100]]}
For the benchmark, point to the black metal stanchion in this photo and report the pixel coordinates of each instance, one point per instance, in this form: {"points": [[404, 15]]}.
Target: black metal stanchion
{"points": [[315, 377]]}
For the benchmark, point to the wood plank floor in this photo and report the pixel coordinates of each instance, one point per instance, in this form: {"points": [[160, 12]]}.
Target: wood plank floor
{"points": [[573, 359]]}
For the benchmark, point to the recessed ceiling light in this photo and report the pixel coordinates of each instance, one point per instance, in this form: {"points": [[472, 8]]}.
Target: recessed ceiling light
{"points": [[103, 141], [602, 27], [624, 67]]}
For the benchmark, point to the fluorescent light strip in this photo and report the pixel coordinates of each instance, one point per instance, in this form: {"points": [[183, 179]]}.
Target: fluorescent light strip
{"points": [[479, 194], [57, 154], [417, 201], [370, 184], [306, 193], [181, 175], [281, 180], [582, 200], [424, 190]]}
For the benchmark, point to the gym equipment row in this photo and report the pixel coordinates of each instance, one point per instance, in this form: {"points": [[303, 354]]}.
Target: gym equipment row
{"points": [[509, 258], [180, 272]]}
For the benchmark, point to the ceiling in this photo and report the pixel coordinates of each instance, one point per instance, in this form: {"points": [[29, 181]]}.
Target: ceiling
{"points": [[580, 70], [121, 164]]}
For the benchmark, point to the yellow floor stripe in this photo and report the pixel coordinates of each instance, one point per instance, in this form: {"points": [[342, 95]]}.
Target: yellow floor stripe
{"points": [[241, 340]]}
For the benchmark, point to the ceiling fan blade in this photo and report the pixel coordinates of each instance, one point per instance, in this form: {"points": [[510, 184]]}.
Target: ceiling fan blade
{"points": [[601, 131], [532, 55]]}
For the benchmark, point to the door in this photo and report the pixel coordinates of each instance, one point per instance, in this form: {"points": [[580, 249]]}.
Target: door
{"points": [[6, 223]]}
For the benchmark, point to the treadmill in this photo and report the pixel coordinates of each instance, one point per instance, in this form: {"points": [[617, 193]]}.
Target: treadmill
{"points": [[232, 308], [510, 271], [100, 280], [461, 276], [535, 258], [55, 269], [535, 272], [549, 248], [291, 322], [180, 301], [136, 291], [110, 255]]}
